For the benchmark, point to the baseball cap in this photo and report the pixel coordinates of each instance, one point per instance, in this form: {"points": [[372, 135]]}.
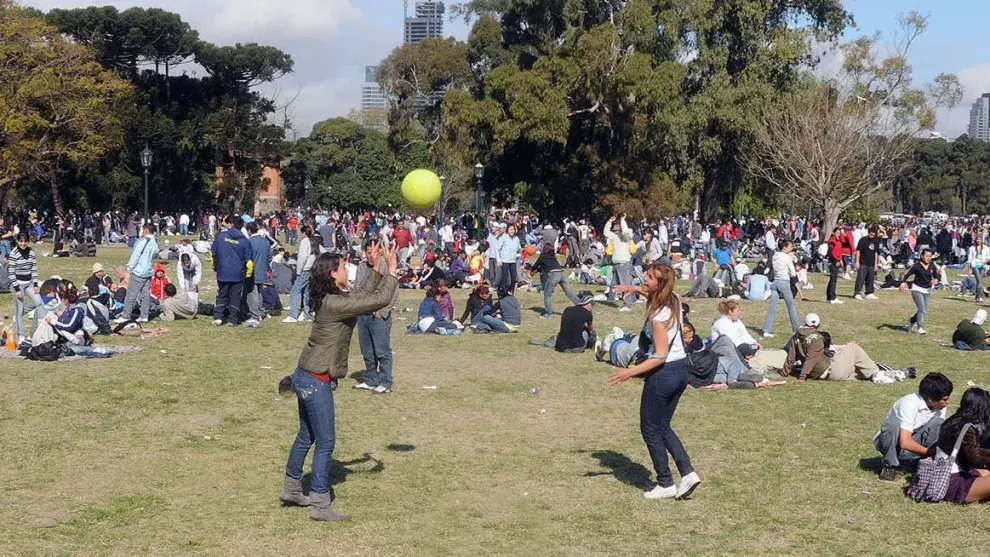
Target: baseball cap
{"points": [[980, 317], [812, 320], [585, 297]]}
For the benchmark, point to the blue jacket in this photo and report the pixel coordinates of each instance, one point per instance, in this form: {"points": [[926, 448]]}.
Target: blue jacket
{"points": [[261, 253], [231, 252], [430, 308], [143, 257]]}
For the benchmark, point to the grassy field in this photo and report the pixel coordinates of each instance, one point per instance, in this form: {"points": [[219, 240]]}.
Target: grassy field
{"points": [[180, 449]]}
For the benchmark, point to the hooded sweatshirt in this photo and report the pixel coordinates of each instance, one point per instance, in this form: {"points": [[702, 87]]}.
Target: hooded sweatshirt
{"points": [[231, 253], [809, 346], [158, 281]]}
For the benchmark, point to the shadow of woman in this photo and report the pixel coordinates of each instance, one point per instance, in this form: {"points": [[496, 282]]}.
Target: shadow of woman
{"points": [[339, 470], [622, 468]]}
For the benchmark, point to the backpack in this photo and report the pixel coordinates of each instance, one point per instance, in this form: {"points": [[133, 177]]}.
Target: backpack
{"points": [[45, 352], [702, 365]]}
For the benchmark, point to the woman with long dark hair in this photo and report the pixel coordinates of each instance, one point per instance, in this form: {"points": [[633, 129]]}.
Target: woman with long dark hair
{"points": [[308, 250], [324, 361], [666, 378], [969, 480], [924, 276]]}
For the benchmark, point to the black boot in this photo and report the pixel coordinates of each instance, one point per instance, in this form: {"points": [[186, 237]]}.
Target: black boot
{"points": [[292, 493]]}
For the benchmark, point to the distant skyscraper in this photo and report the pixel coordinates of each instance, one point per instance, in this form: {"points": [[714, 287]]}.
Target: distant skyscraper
{"points": [[979, 118], [427, 23], [372, 95]]}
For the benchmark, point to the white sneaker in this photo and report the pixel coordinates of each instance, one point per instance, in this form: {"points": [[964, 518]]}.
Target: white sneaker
{"points": [[881, 378], [290, 320], [217, 322], [142, 319], [846, 276], [921, 331], [837, 302], [661, 493], [858, 296], [381, 390], [688, 485], [624, 309], [767, 335], [120, 320], [364, 387], [872, 297]]}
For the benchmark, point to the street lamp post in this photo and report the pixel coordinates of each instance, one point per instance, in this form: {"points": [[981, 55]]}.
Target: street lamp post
{"points": [[479, 172], [443, 196], [146, 163]]}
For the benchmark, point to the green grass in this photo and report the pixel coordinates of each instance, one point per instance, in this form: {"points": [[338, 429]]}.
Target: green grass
{"points": [[183, 452]]}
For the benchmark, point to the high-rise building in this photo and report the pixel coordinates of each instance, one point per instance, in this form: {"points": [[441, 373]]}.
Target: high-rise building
{"points": [[979, 118], [426, 23], [372, 95]]}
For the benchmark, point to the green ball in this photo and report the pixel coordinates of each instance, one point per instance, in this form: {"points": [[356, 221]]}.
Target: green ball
{"points": [[421, 188]]}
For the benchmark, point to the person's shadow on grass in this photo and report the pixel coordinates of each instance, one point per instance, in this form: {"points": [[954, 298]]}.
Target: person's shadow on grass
{"points": [[339, 470], [888, 326], [622, 467]]}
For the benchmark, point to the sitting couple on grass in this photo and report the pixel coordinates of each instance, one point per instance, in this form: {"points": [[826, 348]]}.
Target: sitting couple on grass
{"points": [[436, 312], [489, 316]]}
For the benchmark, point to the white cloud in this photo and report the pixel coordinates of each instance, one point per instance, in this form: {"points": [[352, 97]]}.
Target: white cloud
{"points": [[975, 81], [262, 21]]}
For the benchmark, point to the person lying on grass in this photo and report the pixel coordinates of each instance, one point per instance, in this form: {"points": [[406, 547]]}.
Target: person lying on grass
{"points": [[969, 333], [913, 425], [821, 360]]}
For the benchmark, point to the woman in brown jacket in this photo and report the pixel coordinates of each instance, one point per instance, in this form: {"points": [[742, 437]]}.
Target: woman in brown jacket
{"points": [[969, 480], [323, 362]]}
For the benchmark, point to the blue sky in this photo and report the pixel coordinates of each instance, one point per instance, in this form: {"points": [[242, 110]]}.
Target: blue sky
{"points": [[332, 40]]}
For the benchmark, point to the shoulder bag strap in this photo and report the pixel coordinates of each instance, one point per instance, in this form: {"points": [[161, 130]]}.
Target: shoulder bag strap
{"points": [[959, 440]]}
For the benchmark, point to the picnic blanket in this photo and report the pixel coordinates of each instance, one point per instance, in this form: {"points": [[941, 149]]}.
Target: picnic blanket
{"points": [[109, 350]]}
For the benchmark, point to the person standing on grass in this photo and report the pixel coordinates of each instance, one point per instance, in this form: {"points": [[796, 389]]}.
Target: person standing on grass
{"points": [[666, 378], [551, 274], [375, 334], [925, 275], [867, 263], [508, 248], [835, 243], [140, 269], [323, 361], [22, 271], [621, 258], [780, 288], [261, 253], [979, 256], [232, 259], [299, 295]]}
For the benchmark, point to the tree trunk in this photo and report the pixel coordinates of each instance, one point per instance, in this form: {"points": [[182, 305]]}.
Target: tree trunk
{"points": [[57, 198], [831, 212]]}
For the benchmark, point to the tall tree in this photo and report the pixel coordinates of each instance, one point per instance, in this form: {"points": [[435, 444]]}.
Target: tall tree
{"points": [[839, 141], [56, 103]]}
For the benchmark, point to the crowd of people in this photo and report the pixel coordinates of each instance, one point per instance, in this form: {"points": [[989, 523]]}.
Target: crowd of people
{"points": [[343, 271]]}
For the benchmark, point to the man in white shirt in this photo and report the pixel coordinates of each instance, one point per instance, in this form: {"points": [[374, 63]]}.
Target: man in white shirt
{"points": [[912, 425], [770, 241], [183, 224]]}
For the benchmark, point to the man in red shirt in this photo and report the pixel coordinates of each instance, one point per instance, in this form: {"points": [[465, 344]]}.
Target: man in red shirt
{"points": [[292, 230], [836, 244], [848, 249], [403, 241]]}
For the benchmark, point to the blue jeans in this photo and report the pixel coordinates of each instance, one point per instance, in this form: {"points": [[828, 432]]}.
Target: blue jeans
{"points": [[375, 339], [781, 288], [316, 425], [495, 323], [661, 393], [29, 303], [622, 273], [553, 279], [183, 229], [300, 289]]}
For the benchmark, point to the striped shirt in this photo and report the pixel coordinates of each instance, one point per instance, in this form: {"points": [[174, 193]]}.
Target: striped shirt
{"points": [[22, 266]]}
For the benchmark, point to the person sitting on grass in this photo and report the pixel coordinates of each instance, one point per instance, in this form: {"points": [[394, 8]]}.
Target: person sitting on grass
{"points": [[577, 328], [508, 308], [821, 360], [431, 318], [177, 305], [444, 299], [912, 425], [969, 334], [730, 325], [969, 479]]}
